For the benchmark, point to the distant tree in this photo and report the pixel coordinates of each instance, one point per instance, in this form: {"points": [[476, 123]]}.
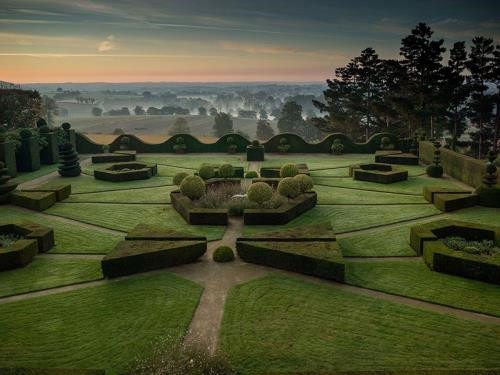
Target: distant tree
{"points": [[180, 126], [290, 119], [96, 111], [264, 130], [496, 79], [153, 111], [118, 131], [19, 108], [139, 111], [275, 112], [213, 111], [182, 111], [223, 124], [124, 111], [59, 89], [242, 113], [147, 95], [243, 134], [263, 114], [49, 109], [202, 111]]}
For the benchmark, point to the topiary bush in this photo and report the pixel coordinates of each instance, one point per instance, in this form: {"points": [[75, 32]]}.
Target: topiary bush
{"points": [[305, 182], [41, 123], [25, 133], [69, 165], [226, 171], [124, 143], [289, 187], [436, 170], [179, 177], [289, 170], [251, 174], [5, 186], [259, 193], [255, 143], [206, 172], [193, 187], [283, 147], [385, 143], [223, 254], [232, 148], [179, 146], [337, 147]]}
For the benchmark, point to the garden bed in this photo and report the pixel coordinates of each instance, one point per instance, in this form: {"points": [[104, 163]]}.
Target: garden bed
{"points": [[377, 172], [396, 157], [120, 172]]}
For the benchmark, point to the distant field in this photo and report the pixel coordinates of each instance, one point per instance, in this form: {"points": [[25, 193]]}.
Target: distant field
{"points": [[155, 125]]}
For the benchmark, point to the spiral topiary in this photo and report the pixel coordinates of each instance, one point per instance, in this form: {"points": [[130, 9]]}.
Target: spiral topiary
{"points": [[69, 165], [193, 187], [66, 126], [251, 174], [489, 192], [226, 171], [223, 254], [259, 192], [206, 172], [289, 187], [289, 170], [179, 177], [436, 170], [305, 182]]}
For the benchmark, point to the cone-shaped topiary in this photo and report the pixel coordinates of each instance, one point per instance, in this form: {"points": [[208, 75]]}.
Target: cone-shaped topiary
{"points": [[124, 143], [193, 187], [385, 143], [179, 177], [283, 147], [5, 186], [489, 192], [259, 192], [289, 170], [305, 182], [490, 178], [226, 171], [414, 144], [436, 170], [206, 172], [69, 165], [289, 187], [223, 254]]}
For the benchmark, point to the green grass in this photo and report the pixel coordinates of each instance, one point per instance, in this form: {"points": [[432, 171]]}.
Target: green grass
{"points": [[349, 218], [28, 176], [477, 214], [163, 171], [70, 238], [332, 195], [125, 217], [196, 160], [98, 327], [147, 195], [414, 279], [317, 161], [381, 243], [45, 273], [280, 324]]}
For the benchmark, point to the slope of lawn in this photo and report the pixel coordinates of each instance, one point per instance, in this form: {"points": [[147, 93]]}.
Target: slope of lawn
{"points": [[70, 238], [477, 214], [104, 326], [45, 273], [125, 217], [160, 195], [337, 330], [28, 176], [332, 195], [349, 218], [414, 279], [380, 243]]}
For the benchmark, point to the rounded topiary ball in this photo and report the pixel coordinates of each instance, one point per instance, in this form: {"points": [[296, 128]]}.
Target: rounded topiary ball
{"points": [[226, 171], [25, 133], [206, 172], [289, 187], [251, 174], [435, 171], [41, 122], [255, 143], [259, 192], [193, 187], [305, 182], [223, 254], [385, 141], [179, 177], [66, 126], [289, 170]]}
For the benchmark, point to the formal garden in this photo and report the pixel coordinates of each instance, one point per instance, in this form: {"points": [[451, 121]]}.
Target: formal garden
{"points": [[278, 258]]}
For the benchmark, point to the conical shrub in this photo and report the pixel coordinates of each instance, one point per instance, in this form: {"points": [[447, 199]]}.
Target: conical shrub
{"points": [[69, 165], [5, 185]]}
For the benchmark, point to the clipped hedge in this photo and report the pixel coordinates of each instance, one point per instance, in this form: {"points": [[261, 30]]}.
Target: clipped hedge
{"points": [[62, 191], [50, 153], [34, 200], [431, 192], [379, 173], [113, 158], [197, 215], [129, 171], [452, 202], [395, 157], [8, 156], [157, 233], [255, 153], [52, 371], [44, 236], [223, 254], [135, 256], [28, 154]]}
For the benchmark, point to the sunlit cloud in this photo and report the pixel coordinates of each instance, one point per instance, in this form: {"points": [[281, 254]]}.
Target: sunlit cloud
{"points": [[107, 45]]}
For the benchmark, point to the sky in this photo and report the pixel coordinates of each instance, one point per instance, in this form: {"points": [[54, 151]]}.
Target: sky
{"points": [[216, 40]]}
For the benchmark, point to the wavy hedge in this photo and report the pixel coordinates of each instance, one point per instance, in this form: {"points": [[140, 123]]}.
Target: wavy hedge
{"points": [[297, 144]]}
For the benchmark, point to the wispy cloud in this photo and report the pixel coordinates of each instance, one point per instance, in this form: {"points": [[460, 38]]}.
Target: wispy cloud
{"points": [[107, 44]]}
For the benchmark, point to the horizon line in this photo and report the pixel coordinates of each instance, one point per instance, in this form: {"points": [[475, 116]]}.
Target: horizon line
{"points": [[166, 82]]}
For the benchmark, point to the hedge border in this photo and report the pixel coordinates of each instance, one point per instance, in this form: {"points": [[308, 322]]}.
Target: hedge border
{"points": [[143, 171], [51, 371], [390, 175], [33, 200], [430, 192], [155, 233], [398, 158], [195, 215], [274, 171], [62, 191], [452, 202], [112, 158]]}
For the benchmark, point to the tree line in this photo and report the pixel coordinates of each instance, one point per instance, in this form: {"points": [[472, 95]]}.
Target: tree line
{"points": [[419, 92]]}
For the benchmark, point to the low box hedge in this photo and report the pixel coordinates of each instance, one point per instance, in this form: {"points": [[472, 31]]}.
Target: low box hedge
{"points": [[396, 157], [34, 200], [306, 233], [453, 202], [130, 171], [321, 259], [430, 192], [425, 239], [283, 214], [32, 231], [8, 156], [148, 232], [494, 371], [255, 153], [113, 158], [135, 256], [62, 191], [274, 171], [197, 215], [47, 371], [379, 173], [19, 253]]}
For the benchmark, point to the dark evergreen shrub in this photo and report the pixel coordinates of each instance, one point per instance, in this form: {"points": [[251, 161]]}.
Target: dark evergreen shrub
{"points": [[255, 143], [206, 171], [69, 165], [337, 147], [124, 143], [284, 146], [289, 170], [385, 143], [226, 171], [305, 182], [41, 123], [223, 254], [289, 187], [436, 170], [179, 177], [193, 187], [259, 192], [5, 186], [179, 146]]}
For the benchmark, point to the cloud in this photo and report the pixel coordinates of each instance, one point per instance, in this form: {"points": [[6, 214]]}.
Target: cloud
{"points": [[107, 45]]}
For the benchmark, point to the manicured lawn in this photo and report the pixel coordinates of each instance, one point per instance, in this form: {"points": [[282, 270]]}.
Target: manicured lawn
{"points": [[99, 327], [381, 243], [70, 238], [349, 218], [332, 195], [163, 171], [477, 214], [159, 195], [281, 324], [413, 170], [125, 217], [194, 161], [27, 176], [324, 161], [414, 279], [45, 273]]}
